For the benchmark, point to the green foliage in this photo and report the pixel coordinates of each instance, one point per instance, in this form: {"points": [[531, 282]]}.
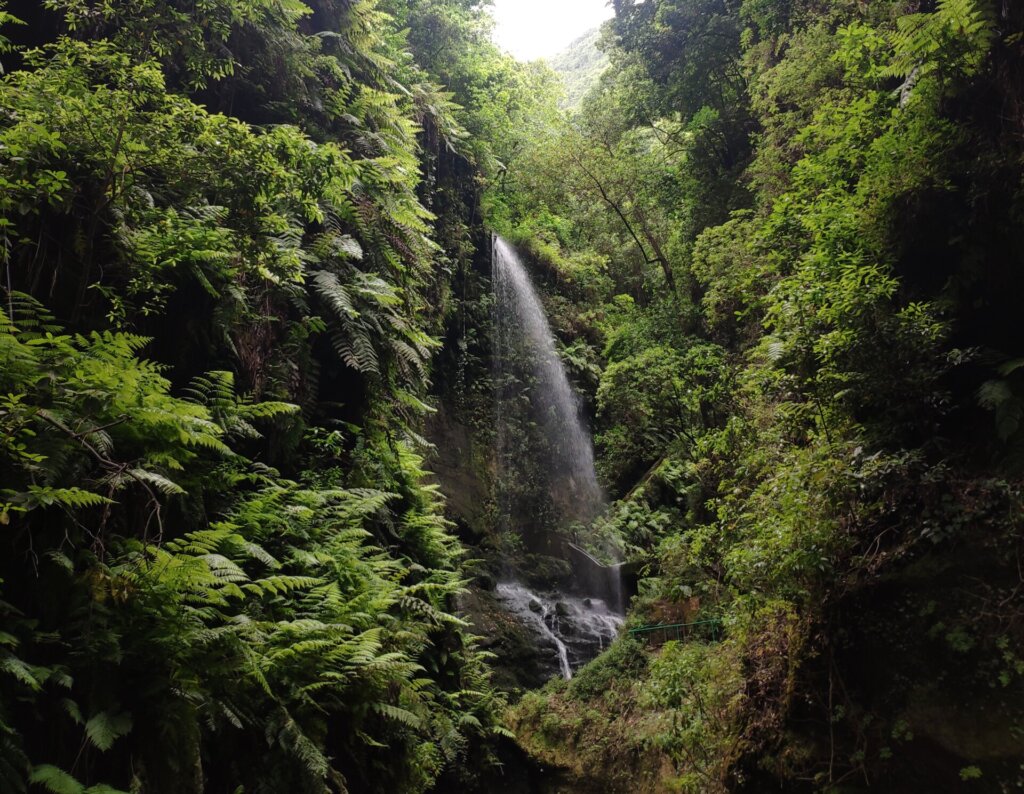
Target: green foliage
{"points": [[809, 397], [172, 33], [60, 782], [956, 36], [781, 245], [223, 565], [283, 614], [580, 66], [701, 688], [655, 399], [625, 659]]}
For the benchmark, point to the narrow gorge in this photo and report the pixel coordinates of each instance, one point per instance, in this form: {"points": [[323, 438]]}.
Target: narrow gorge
{"points": [[588, 397]]}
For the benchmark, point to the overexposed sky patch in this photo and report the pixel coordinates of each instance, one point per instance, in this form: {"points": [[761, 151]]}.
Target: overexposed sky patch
{"points": [[541, 28]]}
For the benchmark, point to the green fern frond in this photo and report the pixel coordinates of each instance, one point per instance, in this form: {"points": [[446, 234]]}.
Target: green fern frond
{"points": [[72, 498], [399, 715], [164, 485], [104, 728], [55, 780]]}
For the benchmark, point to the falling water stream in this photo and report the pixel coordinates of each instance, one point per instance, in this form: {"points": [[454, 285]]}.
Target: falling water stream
{"points": [[521, 326], [531, 378]]}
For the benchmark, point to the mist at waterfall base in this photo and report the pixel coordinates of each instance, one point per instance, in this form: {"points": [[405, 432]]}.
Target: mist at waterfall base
{"points": [[547, 485]]}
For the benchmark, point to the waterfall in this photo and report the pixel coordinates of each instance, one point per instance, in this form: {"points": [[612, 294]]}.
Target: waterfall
{"points": [[541, 615], [544, 447], [522, 335]]}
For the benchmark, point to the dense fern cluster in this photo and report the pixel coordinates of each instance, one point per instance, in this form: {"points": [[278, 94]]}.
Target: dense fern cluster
{"points": [[223, 567], [273, 624]]}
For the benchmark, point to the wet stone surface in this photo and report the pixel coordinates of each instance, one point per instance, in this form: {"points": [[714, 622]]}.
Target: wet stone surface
{"points": [[571, 629]]}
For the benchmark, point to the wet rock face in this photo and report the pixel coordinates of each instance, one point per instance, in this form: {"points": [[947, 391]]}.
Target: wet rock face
{"points": [[522, 660], [587, 629], [462, 463], [570, 631]]}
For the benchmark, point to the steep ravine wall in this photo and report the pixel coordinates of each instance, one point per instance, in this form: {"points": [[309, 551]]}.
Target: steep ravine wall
{"points": [[463, 464], [461, 430]]}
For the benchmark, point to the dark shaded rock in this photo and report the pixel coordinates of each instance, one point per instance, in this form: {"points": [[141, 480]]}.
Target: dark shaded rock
{"points": [[486, 582], [516, 773], [541, 572], [463, 465], [522, 660]]}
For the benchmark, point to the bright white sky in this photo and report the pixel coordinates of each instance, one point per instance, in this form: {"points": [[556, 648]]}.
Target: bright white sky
{"points": [[541, 28]]}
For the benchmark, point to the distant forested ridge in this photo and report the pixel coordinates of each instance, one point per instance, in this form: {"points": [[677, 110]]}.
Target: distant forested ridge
{"points": [[580, 66]]}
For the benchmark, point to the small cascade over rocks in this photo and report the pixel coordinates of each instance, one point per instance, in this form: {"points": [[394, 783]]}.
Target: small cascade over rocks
{"points": [[546, 477], [575, 628]]}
